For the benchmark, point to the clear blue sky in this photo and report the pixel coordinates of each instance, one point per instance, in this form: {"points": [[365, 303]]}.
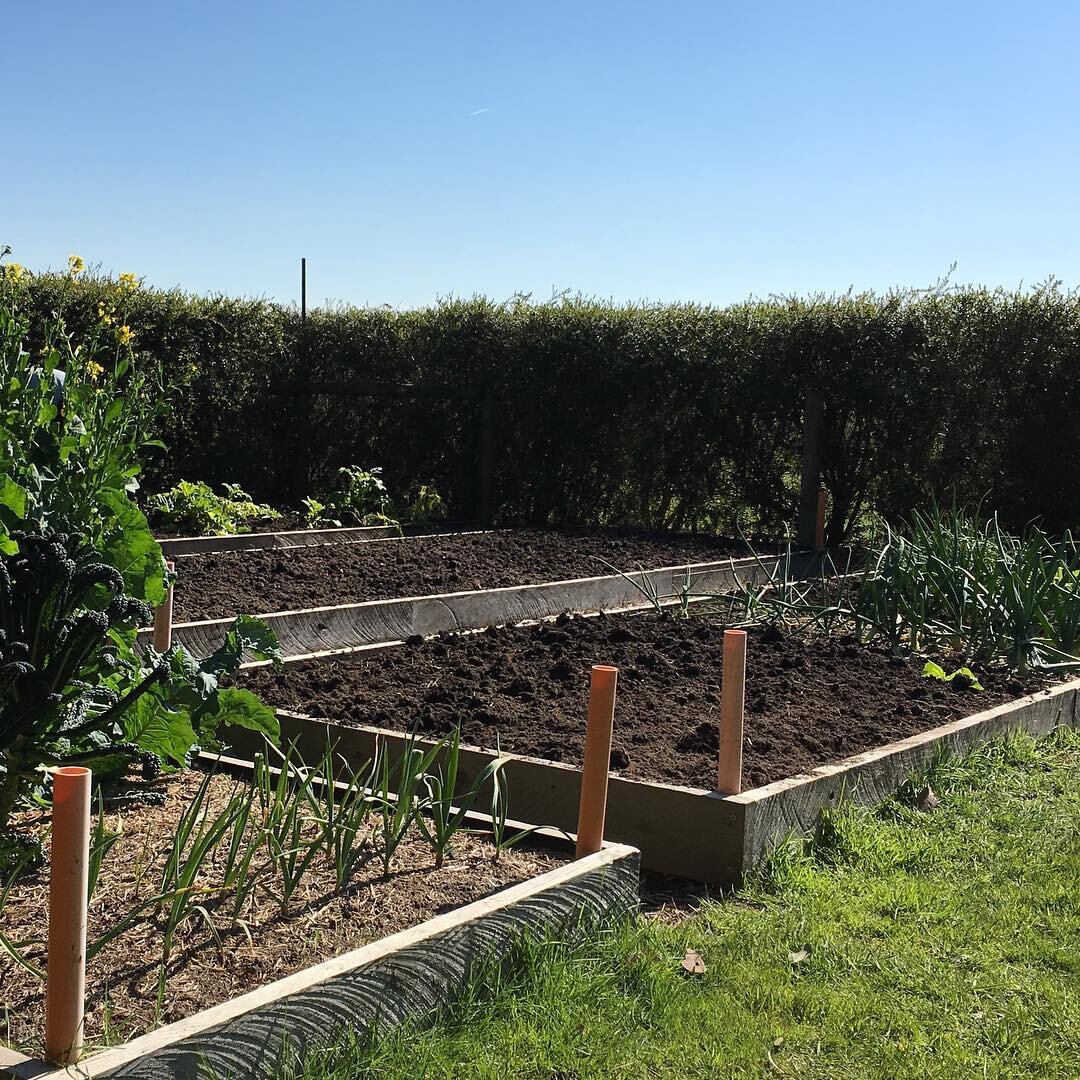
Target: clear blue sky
{"points": [[675, 151]]}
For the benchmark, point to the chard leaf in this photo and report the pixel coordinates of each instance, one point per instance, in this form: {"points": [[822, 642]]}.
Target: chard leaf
{"points": [[130, 547], [239, 708], [163, 730]]}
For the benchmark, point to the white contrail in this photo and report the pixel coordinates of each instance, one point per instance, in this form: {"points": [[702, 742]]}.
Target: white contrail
{"points": [[479, 111]]}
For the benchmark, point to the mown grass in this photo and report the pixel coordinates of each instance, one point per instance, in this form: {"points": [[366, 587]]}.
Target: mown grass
{"points": [[940, 944]]}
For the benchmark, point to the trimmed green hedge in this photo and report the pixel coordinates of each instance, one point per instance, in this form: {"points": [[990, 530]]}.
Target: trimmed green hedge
{"points": [[676, 416]]}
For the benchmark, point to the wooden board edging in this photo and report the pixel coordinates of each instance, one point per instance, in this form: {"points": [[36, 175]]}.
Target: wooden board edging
{"points": [[794, 806], [693, 832], [172, 546], [341, 627], [412, 975]]}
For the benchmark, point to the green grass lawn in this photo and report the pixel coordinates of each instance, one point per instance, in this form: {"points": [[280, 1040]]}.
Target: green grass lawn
{"points": [[940, 944]]}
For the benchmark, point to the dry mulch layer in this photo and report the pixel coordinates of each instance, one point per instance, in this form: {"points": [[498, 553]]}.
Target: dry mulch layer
{"points": [[809, 701], [319, 922], [259, 582]]}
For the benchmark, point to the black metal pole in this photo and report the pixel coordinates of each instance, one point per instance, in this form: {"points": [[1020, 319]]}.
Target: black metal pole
{"points": [[303, 302], [810, 483], [303, 397]]}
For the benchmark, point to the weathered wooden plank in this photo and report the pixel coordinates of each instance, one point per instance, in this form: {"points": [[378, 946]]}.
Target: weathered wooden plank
{"points": [[348, 626], [794, 806], [199, 545], [686, 832]]}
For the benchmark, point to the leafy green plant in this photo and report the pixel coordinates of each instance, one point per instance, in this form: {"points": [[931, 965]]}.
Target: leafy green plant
{"points": [[945, 581], [360, 498], [445, 808], [79, 567], [76, 417], [423, 503], [196, 508], [344, 804], [498, 811], [963, 677], [75, 690], [197, 834], [401, 795], [286, 802]]}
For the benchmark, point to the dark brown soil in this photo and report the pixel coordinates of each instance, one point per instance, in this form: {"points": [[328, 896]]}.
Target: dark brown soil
{"points": [[259, 582], [319, 922], [809, 701]]}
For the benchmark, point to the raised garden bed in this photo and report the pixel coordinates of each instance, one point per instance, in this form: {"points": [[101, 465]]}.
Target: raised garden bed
{"points": [[809, 701], [284, 977], [343, 627], [824, 720], [260, 581]]}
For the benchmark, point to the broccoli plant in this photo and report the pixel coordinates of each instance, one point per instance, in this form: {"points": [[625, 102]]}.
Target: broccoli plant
{"points": [[74, 689]]}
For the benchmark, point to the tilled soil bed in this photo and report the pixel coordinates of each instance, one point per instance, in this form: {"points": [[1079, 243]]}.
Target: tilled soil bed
{"points": [[809, 701], [258, 582], [268, 942]]}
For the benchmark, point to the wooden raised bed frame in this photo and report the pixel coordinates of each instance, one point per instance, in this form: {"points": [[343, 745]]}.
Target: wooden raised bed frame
{"points": [[700, 834], [325, 630], [411, 975], [172, 546]]}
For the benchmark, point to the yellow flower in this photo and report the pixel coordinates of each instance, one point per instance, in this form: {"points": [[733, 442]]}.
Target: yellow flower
{"points": [[14, 272], [76, 265], [105, 315], [125, 335], [94, 370], [128, 281]]}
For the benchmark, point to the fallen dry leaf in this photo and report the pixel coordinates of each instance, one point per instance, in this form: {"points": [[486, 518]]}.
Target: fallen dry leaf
{"points": [[799, 956], [927, 799], [693, 964]]}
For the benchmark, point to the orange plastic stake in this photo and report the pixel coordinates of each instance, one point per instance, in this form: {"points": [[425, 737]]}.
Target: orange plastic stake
{"points": [[163, 619], [594, 772], [732, 697], [819, 528], [65, 987]]}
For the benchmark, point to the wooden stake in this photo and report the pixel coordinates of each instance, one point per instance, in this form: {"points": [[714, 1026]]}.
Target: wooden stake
{"points": [[65, 987], [732, 697], [594, 773], [819, 528], [163, 618]]}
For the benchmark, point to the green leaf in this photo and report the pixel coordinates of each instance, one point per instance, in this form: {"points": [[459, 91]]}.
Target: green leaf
{"points": [[13, 497], [130, 547], [163, 730], [934, 671], [240, 708], [969, 677], [246, 635]]}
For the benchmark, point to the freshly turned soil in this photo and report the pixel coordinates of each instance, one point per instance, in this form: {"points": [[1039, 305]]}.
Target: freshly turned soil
{"points": [[259, 582], [809, 701], [319, 923]]}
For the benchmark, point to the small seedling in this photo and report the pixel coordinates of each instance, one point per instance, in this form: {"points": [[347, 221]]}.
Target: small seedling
{"points": [[963, 677]]}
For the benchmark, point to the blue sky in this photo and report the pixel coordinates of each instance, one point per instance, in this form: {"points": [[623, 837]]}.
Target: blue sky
{"points": [[669, 151]]}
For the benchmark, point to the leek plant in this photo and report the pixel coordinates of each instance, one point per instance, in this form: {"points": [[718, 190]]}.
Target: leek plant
{"points": [[944, 580]]}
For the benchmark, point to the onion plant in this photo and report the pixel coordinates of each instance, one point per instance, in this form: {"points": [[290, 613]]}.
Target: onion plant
{"points": [[446, 809]]}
